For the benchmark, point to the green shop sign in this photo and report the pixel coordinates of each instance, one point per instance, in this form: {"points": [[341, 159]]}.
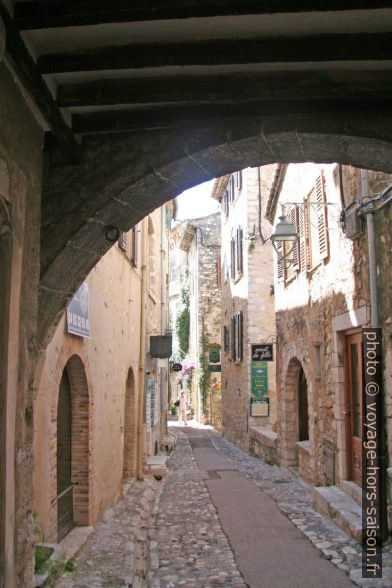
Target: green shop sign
{"points": [[259, 378], [214, 354]]}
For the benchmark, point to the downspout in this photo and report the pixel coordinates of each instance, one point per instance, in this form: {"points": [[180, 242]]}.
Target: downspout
{"points": [[142, 354], [369, 212]]}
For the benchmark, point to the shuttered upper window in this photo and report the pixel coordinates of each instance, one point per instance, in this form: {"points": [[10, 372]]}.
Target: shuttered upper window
{"points": [[311, 223]]}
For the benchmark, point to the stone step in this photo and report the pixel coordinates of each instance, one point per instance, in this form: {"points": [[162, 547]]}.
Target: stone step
{"points": [[353, 490], [341, 508]]}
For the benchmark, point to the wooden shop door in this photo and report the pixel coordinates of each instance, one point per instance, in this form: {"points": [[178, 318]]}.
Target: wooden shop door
{"points": [[353, 364]]}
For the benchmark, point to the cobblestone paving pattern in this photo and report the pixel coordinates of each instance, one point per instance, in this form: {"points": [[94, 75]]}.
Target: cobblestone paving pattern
{"points": [[117, 554], [295, 499], [188, 547]]}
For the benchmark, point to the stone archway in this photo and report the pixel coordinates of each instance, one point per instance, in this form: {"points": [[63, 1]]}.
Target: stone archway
{"points": [[289, 421], [130, 427], [124, 177], [81, 441]]}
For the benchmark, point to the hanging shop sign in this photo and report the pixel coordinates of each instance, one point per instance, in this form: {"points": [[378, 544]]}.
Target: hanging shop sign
{"points": [[259, 378], [214, 354], [263, 352], [215, 368], [77, 313]]}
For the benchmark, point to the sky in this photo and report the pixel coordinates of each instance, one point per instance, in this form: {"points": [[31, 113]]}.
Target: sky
{"points": [[197, 202]]}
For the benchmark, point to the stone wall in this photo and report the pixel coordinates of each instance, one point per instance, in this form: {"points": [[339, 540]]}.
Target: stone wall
{"points": [[21, 143]]}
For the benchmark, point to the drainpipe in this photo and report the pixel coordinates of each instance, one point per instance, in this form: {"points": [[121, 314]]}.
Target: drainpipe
{"points": [[369, 212], [142, 354]]}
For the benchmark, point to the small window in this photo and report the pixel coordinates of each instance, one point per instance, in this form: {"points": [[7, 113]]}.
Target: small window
{"points": [[226, 203], [134, 233], [239, 179], [226, 339], [239, 350], [123, 241]]}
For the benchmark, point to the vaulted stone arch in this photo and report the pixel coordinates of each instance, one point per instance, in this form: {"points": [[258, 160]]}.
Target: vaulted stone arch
{"points": [[124, 177]]}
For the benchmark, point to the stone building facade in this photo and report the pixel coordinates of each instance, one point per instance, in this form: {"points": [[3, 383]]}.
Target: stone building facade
{"points": [[199, 239], [93, 427], [322, 302], [247, 318]]}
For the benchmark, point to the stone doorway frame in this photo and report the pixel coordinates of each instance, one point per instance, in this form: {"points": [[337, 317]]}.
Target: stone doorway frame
{"points": [[81, 434], [341, 324], [288, 424], [130, 427]]}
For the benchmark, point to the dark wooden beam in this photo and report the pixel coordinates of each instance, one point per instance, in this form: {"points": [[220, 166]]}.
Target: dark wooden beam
{"points": [[188, 115], [227, 88], [67, 13], [315, 49], [25, 69]]}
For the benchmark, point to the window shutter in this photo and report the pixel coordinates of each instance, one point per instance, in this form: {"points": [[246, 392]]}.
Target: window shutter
{"points": [[226, 346], [304, 257], [232, 338], [226, 203], [240, 339], [239, 180], [240, 262], [134, 246], [123, 241], [231, 188], [322, 224], [233, 260], [294, 222], [280, 251]]}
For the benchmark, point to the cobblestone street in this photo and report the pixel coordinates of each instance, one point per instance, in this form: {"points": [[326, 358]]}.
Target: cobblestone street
{"points": [[176, 532]]}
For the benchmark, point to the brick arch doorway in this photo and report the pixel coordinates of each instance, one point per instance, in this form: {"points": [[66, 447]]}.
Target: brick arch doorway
{"points": [[73, 497], [129, 460], [294, 423]]}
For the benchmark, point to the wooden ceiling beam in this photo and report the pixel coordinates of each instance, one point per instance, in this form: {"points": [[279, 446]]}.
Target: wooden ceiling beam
{"points": [[23, 66], [313, 49], [71, 13], [227, 88], [177, 116]]}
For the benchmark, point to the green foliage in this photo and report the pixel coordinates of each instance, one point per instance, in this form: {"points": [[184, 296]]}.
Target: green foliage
{"points": [[182, 325], [55, 568], [204, 374]]}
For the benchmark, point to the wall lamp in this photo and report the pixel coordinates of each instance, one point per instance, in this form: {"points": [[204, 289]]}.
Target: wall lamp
{"points": [[284, 232]]}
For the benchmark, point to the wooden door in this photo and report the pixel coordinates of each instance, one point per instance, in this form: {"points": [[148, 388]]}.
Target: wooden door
{"points": [[64, 454], [303, 413], [354, 404]]}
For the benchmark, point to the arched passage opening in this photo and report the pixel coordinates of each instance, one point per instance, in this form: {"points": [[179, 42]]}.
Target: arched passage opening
{"points": [[72, 498], [130, 427], [146, 169]]}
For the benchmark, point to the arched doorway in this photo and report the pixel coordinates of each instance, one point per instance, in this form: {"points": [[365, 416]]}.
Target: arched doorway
{"points": [[129, 463], [303, 413], [65, 519], [73, 450]]}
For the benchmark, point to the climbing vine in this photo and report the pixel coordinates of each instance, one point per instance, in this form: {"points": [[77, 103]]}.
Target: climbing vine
{"points": [[182, 324], [204, 374]]}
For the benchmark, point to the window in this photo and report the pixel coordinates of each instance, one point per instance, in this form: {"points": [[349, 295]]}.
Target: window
{"points": [[231, 189], [134, 246], [123, 241], [226, 203], [238, 176], [236, 254], [226, 339], [236, 342], [312, 246]]}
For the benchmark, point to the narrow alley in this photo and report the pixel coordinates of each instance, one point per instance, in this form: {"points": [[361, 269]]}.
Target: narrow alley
{"points": [[220, 517]]}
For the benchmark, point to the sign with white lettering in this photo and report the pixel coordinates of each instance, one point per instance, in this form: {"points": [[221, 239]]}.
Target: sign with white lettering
{"points": [[262, 352], [77, 313]]}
